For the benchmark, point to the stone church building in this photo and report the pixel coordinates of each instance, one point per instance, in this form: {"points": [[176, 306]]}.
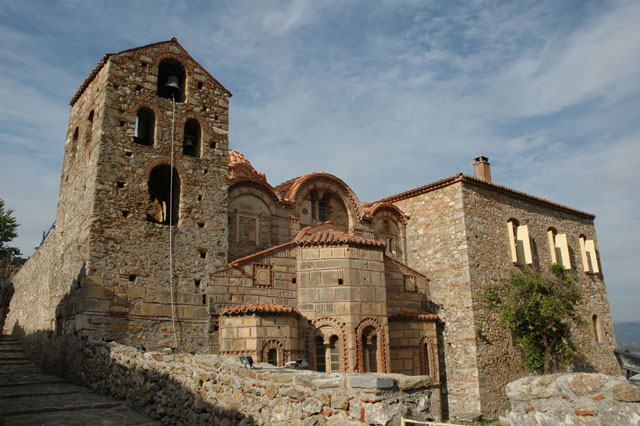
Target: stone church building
{"points": [[168, 238]]}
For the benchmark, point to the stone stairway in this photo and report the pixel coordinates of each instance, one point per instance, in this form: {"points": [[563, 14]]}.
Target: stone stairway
{"points": [[28, 397]]}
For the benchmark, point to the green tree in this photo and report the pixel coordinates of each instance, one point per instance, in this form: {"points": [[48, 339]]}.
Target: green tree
{"points": [[538, 309], [8, 226]]}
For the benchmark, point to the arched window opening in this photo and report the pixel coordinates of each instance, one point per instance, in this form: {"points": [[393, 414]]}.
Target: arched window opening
{"points": [[272, 356], [321, 364], [145, 126], [519, 243], [319, 206], [425, 352], [597, 328], [164, 196], [74, 141], [334, 353], [88, 128], [370, 350], [191, 143], [171, 80]]}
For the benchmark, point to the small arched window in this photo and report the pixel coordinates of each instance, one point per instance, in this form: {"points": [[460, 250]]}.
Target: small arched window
{"points": [[334, 353], [425, 353], [370, 350], [145, 127], [88, 128], [321, 364], [519, 242], [164, 195], [171, 80], [272, 356], [74, 140], [597, 328], [192, 136]]}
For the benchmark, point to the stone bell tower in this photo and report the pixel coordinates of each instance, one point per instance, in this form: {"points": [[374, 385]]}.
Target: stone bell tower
{"points": [[143, 199]]}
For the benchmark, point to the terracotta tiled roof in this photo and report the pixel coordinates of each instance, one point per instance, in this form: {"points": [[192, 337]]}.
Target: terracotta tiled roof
{"points": [[286, 189], [369, 209], [322, 234], [240, 167], [413, 316], [406, 267], [89, 78], [104, 59], [262, 253], [251, 308], [470, 179]]}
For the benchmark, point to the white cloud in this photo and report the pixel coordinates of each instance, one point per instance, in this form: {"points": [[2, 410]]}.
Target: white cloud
{"points": [[386, 96]]}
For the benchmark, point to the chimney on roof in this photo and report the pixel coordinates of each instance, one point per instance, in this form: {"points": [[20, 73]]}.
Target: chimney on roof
{"points": [[482, 168]]}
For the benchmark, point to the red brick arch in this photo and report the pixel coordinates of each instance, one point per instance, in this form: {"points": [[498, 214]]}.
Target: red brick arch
{"points": [[326, 327], [382, 355]]}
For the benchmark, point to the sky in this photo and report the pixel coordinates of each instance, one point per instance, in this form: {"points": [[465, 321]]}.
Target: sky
{"points": [[387, 95]]}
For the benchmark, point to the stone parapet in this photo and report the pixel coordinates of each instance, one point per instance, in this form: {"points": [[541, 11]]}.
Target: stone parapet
{"points": [[205, 389], [574, 399]]}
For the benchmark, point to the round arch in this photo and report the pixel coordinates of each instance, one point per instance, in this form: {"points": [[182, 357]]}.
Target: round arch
{"points": [[381, 352], [325, 328]]}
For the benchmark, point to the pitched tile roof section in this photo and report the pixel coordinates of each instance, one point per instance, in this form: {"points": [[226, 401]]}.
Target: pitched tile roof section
{"points": [[89, 78], [286, 189], [251, 308], [489, 185], [240, 167], [370, 209], [312, 236], [106, 57], [258, 255], [406, 267], [413, 316]]}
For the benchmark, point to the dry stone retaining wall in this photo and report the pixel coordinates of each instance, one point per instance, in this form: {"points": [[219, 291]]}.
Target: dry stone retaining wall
{"points": [[185, 389], [574, 399]]}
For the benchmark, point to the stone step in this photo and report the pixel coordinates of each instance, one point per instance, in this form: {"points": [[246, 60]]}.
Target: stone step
{"points": [[18, 368], [57, 402], [21, 379], [115, 416], [38, 389]]}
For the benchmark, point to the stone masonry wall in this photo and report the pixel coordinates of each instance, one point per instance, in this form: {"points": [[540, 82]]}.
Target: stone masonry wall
{"points": [[51, 278], [437, 247], [182, 389], [574, 400], [345, 285], [487, 212], [136, 301]]}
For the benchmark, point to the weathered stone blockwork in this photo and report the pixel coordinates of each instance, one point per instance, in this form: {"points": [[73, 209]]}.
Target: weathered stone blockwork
{"points": [[487, 212], [574, 399], [206, 389], [167, 238]]}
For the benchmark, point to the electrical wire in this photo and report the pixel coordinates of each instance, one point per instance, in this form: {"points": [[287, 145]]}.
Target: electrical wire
{"points": [[173, 316]]}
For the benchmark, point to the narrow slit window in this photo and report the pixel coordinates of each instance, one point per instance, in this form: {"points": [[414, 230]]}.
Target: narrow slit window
{"points": [[145, 127], [192, 135], [321, 364]]}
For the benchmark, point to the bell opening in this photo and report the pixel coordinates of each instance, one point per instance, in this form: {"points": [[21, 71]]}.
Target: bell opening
{"points": [[171, 80]]}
